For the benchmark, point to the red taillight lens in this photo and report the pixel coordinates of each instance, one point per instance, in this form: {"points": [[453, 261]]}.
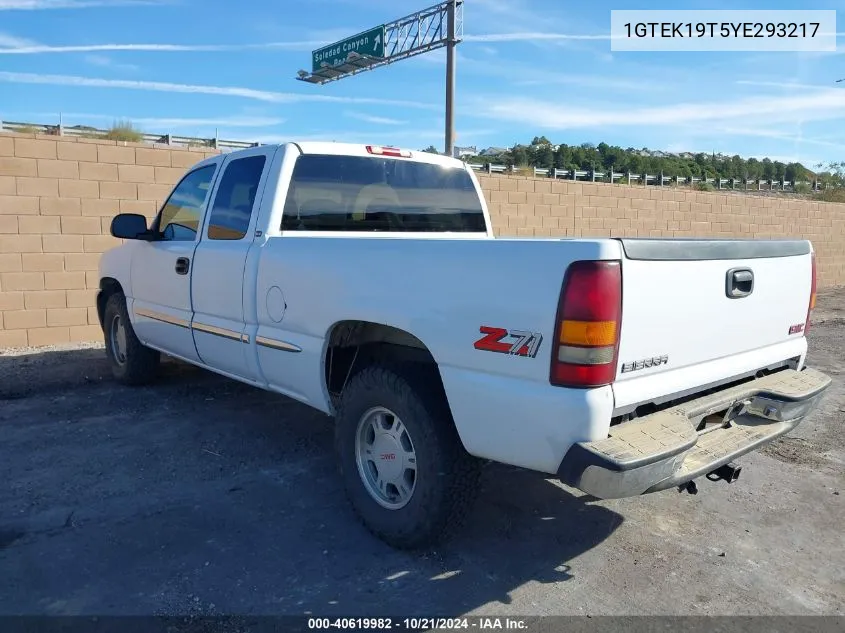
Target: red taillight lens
{"points": [[589, 317], [812, 303]]}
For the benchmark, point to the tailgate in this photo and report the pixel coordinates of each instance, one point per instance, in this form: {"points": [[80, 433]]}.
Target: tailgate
{"points": [[708, 310]]}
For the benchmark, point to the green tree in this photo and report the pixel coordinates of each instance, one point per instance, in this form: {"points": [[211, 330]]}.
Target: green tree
{"points": [[604, 157], [518, 155]]}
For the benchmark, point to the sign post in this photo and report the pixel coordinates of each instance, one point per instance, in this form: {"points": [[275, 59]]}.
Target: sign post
{"points": [[439, 26], [450, 78]]}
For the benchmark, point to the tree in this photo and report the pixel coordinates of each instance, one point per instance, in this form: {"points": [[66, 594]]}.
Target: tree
{"points": [[518, 155], [431, 149], [544, 157], [604, 157]]}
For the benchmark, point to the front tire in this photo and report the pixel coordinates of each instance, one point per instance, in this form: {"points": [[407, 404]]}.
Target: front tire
{"points": [[405, 471], [131, 362]]}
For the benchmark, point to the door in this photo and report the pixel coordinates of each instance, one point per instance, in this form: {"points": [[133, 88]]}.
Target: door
{"points": [[220, 259], [161, 269]]}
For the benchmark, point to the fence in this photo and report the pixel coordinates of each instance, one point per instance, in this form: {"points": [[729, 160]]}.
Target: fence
{"points": [[157, 139], [567, 174], [748, 184]]}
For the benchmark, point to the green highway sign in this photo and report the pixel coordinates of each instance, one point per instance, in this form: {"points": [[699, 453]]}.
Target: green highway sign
{"points": [[367, 43]]}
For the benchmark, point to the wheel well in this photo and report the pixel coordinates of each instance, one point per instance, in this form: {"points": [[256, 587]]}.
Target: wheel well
{"points": [[355, 344], [108, 287]]}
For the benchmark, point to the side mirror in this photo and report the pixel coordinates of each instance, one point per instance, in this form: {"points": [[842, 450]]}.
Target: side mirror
{"points": [[130, 226]]}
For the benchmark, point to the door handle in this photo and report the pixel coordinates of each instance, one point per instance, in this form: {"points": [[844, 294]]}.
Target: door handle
{"points": [[739, 282], [183, 264]]}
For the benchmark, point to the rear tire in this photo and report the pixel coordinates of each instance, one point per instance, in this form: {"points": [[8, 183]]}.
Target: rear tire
{"points": [[405, 471], [131, 362]]}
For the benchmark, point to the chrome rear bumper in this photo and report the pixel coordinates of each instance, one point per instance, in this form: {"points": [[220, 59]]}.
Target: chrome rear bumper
{"points": [[664, 449]]}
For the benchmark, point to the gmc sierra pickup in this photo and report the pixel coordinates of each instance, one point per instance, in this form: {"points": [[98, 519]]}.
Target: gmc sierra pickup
{"points": [[366, 282]]}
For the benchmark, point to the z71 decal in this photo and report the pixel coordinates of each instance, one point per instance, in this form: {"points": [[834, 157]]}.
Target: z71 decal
{"points": [[512, 342]]}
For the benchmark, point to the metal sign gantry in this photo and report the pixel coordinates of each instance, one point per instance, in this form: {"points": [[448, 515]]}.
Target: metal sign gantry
{"points": [[438, 26]]}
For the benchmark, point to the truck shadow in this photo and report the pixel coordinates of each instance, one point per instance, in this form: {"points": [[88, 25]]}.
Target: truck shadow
{"points": [[200, 495]]}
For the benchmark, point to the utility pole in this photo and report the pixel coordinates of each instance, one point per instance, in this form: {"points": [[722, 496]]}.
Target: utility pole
{"points": [[450, 78]]}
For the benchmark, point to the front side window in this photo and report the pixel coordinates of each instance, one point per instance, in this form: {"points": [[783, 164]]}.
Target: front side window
{"points": [[361, 193], [181, 215], [235, 197]]}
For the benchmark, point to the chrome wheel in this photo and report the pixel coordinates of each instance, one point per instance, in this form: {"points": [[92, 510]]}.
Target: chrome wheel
{"points": [[117, 337], [387, 462]]}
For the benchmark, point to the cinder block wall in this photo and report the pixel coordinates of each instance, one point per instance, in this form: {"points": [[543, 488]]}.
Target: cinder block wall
{"points": [[524, 206], [58, 195], [57, 199]]}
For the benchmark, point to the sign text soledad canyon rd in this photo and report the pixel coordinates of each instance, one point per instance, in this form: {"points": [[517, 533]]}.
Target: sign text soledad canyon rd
{"points": [[367, 43]]}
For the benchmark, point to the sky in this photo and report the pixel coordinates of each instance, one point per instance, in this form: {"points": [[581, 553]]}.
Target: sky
{"points": [[524, 68]]}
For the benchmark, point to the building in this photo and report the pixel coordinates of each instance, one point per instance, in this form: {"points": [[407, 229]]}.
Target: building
{"points": [[461, 152]]}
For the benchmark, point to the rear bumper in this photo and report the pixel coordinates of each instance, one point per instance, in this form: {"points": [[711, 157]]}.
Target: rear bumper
{"points": [[664, 450]]}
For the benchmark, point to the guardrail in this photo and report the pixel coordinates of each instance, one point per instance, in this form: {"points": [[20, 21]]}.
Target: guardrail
{"points": [[156, 139], [586, 175], [490, 168]]}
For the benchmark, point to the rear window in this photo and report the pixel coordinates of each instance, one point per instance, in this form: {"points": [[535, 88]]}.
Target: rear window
{"points": [[357, 193]]}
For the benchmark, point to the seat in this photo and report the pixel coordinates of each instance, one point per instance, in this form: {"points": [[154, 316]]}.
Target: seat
{"points": [[377, 204], [372, 196]]}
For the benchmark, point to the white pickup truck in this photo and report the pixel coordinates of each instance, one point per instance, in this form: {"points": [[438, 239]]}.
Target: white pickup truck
{"points": [[366, 282]]}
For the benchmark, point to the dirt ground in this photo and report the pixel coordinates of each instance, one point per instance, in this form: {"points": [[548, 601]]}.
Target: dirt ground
{"points": [[202, 496]]}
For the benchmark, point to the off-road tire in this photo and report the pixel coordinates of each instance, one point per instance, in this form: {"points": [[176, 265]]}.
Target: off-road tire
{"points": [[142, 363], [447, 476]]}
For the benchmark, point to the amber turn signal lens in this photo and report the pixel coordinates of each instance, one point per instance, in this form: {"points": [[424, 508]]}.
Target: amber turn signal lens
{"points": [[588, 333]]}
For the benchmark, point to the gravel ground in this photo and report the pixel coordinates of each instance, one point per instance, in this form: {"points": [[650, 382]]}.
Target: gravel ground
{"points": [[200, 495]]}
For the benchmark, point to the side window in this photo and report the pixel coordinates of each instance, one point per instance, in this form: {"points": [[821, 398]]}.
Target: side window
{"points": [[180, 217], [235, 198]]}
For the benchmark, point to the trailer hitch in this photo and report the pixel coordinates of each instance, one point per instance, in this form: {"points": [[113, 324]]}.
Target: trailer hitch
{"points": [[729, 473]]}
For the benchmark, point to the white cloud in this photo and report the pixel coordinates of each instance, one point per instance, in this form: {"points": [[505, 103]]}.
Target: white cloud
{"points": [[530, 23], [227, 91], [407, 138], [20, 46], [751, 111], [12, 42], [108, 62], [603, 82], [778, 135], [532, 37], [784, 85], [378, 120], [37, 5], [158, 123], [37, 49], [519, 74]]}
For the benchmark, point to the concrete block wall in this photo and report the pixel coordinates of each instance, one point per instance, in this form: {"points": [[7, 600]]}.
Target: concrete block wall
{"points": [[542, 207], [57, 199], [58, 196]]}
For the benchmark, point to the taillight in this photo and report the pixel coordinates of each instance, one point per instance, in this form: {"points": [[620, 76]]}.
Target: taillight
{"points": [[388, 151], [589, 317], [812, 303]]}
